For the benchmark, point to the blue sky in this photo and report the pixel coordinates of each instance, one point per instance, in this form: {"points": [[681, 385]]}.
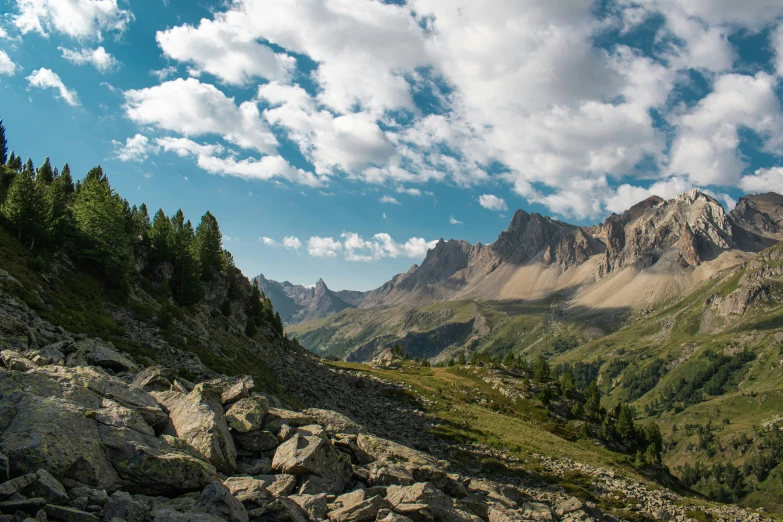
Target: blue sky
{"points": [[341, 138]]}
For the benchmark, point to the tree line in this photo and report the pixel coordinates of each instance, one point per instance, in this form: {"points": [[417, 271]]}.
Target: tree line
{"points": [[97, 228]]}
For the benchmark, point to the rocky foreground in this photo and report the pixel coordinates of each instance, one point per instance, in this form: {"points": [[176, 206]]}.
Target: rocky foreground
{"points": [[87, 434]]}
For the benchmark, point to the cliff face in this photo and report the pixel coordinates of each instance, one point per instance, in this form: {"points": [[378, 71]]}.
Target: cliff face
{"points": [[298, 303], [676, 235]]}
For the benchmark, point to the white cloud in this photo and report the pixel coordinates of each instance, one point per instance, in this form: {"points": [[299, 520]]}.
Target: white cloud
{"points": [[265, 168], [292, 242], [409, 191], [226, 51], [707, 146], [348, 142], [389, 199], [136, 148], [383, 215], [6, 65], [268, 241], [184, 147], [75, 18], [763, 180], [3, 33], [777, 45], [192, 108], [492, 202], [164, 73], [47, 79], [97, 57], [454, 221], [382, 245], [323, 246]]}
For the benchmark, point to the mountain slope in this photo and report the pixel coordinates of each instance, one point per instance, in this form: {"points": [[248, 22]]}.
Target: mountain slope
{"points": [[298, 303]]}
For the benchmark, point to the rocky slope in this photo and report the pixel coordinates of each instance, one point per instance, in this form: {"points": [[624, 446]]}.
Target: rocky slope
{"points": [[298, 303]]}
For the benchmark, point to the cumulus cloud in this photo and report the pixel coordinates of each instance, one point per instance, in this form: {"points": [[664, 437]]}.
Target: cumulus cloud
{"points": [[454, 221], [226, 51], [75, 18], [492, 202], [265, 168], [268, 241], [409, 191], [292, 242], [707, 146], [777, 45], [136, 148], [323, 246], [192, 108], [6, 65], [389, 199], [98, 58], [47, 79], [764, 180], [184, 147]]}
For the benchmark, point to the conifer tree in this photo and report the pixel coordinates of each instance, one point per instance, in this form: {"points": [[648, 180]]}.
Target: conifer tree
{"points": [[461, 360], [24, 208], [278, 323], [14, 162], [29, 167], [160, 237], [57, 211], [509, 360], [140, 223], [67, 179], [592, 400], [99, 218], [3, 145], [209, 245], [45, 173], [625, 427], [185, 281]]}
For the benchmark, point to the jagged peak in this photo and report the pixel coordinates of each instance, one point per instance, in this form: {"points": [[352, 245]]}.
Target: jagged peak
{"points": [[694, 195]]}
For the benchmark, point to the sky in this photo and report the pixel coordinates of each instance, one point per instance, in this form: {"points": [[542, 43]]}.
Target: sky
{"points": [[340, 139]]}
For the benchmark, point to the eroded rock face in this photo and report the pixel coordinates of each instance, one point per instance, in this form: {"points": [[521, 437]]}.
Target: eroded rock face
{"points": [[197, 418], [247, 415]]}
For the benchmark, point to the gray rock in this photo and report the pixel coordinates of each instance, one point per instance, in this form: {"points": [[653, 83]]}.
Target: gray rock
{"points": [[67, 514], [28, 505], [216, 499], [364, 511], [303, 455], [254, 467], [398, 464], [256, 441], [16, 361], [198, 419], [16, 485], [439, 504], [277, 417], [154, 378], [386, 515], [47, 487], [314, 505], [123, 506], [247, 415], [4, 469], [262, 488]]}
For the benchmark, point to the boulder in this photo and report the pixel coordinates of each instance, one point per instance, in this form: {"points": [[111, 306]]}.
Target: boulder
{"points": [[19, 503], [423, 493], [216, 499], [303, 455], [67, 514], [357, 508], [235, 388], [16, 485], [254, 467], [247, 415], [334, 422], [386, 515], [260, 489], [94, 352], [56, 435], [314, 505], [197, 417], [16, 361], [48, 487], [256, 441], [154, 378], [123, 506], [277, 417], [398, 464], [4, 469]]}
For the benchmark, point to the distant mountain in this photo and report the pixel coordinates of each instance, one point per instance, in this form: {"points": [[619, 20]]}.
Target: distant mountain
{"points": [[589, 280], [297, 303]]}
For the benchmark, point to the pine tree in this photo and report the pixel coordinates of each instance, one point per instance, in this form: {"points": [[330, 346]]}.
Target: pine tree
{"points": [[185, 281], [509, 360], [160, 237], [45, 173], [625, 427], [209, 245], [3, 145], [140, 223], [461, 360], [24, 208], [67, 179], [541, 370], [278, 323], [100, 221], [95, 173], [14, 162], [567, 382], [57, 199], [29, 167], [592, 400]]}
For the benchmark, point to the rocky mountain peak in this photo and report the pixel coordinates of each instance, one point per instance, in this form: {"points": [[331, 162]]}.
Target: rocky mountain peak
{"points": [[761, 214]]}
